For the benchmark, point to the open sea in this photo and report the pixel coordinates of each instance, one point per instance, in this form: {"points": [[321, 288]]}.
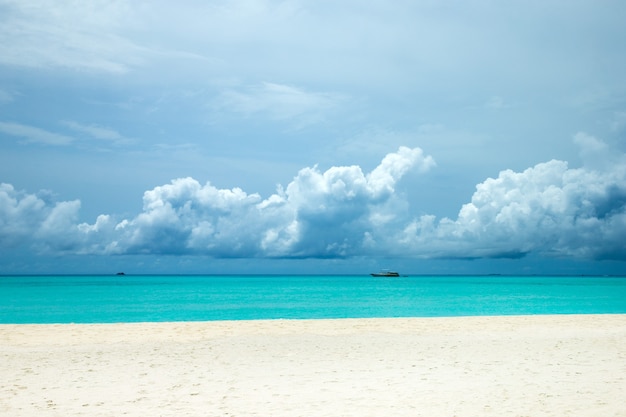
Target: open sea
{"points": [[157, 298]]}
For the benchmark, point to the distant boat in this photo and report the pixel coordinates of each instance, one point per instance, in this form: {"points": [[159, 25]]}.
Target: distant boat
{"points": [[385, 274], [120, 273]]}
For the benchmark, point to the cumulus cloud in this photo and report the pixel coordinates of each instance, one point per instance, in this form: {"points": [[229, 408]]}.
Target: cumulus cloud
{"points": [[549, 209], [318, 214], [27, 218]]}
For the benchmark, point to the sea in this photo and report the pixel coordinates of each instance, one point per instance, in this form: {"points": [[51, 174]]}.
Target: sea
{"points": [[159, 298]]}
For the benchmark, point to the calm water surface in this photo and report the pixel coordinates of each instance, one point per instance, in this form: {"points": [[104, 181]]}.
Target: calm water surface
{"points": [[107, 299]]}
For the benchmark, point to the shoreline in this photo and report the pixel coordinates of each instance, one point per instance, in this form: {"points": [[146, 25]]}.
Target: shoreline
{"points": [[305, 320], [540, 365]]}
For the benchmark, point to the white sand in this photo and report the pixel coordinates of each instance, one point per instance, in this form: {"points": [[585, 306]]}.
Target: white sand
{"points": [[481, 366]]}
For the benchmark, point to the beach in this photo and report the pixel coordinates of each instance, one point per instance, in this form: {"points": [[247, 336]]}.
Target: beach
{"points": [[553, 365]]}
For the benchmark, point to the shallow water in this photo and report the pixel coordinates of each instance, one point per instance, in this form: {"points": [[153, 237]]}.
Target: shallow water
{"points": [[109, 299]]}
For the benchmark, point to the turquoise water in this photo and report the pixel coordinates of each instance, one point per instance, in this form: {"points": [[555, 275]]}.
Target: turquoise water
{"points": [[109, 299]]}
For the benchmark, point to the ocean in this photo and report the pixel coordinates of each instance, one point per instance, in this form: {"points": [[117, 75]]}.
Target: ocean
{"points": [[156, 298]]}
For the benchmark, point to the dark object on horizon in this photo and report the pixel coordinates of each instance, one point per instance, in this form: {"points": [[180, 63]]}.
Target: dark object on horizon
{"points": [[385, 274], [120, 273]]}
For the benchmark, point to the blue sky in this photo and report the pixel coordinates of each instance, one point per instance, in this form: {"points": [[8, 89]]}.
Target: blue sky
{"points": [[312, 136]]}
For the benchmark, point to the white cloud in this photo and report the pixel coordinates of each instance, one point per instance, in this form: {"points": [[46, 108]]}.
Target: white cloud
{"points": [[319, 214], [589, 144], [549, 209], [80, 35], [394, 166], [278, 102], [34, 134], [595, 153], [19, 214], [381, 44], [98, 132], [28, 218]]}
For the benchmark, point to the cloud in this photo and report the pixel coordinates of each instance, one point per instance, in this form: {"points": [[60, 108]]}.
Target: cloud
{"points": [[34, 134], [27, 218], [98, 132], [595, 153], [619, 121], [84, 35], [278, 102], [549, 209], [318, 214], [48, 226]]}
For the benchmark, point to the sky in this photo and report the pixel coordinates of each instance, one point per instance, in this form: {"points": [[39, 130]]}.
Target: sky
{"points": [[261, 136]]}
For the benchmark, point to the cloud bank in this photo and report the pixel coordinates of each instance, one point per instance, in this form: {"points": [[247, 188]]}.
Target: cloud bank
{"points": [[549, 209]]}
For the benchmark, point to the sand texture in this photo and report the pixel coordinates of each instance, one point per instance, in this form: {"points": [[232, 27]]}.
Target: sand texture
{"points": [[479, 366]]}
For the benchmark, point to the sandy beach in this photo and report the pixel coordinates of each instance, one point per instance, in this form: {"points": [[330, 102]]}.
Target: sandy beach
{"points": [[472, 366]]}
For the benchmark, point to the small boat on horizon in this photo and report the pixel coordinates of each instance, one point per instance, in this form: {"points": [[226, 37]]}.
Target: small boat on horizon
{"points": [[385, 274]]}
